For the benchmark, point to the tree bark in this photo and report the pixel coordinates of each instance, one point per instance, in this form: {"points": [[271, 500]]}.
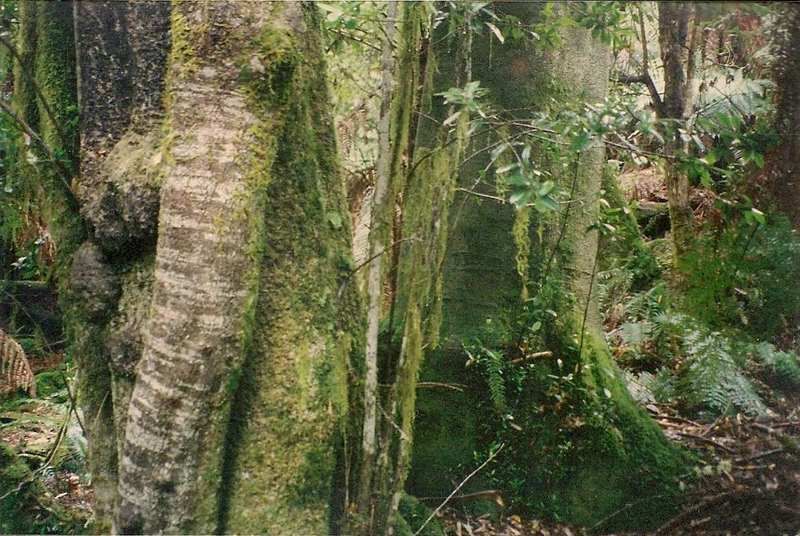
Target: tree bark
{"points": [[211, 319], [493, 255], [673, 32], [784, 165]]}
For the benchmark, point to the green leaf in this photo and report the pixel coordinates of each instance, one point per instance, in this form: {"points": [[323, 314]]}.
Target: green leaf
{"points": [[546, 188], [452, 119], [335, 219], [496, 31], [546, 204], [518, 179], [507, 168], [759, 216], [520, 198]]}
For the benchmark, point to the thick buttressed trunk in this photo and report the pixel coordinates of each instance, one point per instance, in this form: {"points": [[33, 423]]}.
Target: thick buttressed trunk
{"points": [[211, 325], [121, 53], [603, 445], [784, 165], [673, 33]]}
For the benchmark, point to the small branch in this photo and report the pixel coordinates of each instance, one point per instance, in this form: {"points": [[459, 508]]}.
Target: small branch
{"points": [[26, 69], [546, 353], [669, 526], [453, 493], [488, 493], [707, 440], [64, 172], [354, 38], [454, 386], [484, 196], [759, 455]]}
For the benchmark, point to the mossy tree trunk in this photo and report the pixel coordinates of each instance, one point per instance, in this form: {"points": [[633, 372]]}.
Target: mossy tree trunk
{"points": [[208, 309], [585, 448], [422, 160]]}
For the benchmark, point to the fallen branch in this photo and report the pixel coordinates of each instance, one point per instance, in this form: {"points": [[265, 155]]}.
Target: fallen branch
{"points": [[546, 353], [454, 386], [759, 455], [707, 440], [444, 502], [669, 526]]}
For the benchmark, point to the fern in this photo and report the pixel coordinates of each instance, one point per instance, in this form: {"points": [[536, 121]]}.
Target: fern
{"points": [[784, 367], [494, 364], [712, 379], [15, 371]]}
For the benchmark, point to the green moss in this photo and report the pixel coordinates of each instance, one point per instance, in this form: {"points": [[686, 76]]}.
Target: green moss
{"points": [[414, 513], [290, 403], [24, 506], [50, 385], [522, 241], [183, 59], [48, 63]]}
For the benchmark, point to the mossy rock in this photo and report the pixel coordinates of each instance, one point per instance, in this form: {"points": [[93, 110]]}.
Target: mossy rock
{"points": [[413, 514], [26, 507], [19, 491]]}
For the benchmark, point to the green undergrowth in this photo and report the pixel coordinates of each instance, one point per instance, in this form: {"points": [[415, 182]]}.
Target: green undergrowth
{"points": [[576, 446], [744, 276], [711, 343]]}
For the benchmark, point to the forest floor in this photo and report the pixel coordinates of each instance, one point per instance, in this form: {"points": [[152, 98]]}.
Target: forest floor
{"points": [[747, 480]]}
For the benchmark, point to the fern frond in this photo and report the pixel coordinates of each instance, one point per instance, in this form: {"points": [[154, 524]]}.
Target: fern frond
{"points": [[15, 371]]}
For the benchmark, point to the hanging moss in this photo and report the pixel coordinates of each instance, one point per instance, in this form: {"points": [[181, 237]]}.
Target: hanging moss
{"points": [[522, 241]]}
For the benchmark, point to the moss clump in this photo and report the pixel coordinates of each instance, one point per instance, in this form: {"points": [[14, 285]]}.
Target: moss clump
{"points": [[50, 385], [24, 506], [413, 514]]}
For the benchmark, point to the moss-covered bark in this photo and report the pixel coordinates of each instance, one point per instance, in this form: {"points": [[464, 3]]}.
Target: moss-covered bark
{"points": [[584, 448], [290, 409], [233, 170]]}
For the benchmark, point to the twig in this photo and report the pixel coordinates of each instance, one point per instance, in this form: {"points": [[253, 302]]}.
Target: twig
{"points": [[468, 496], [64, 172], [588, 301], [667, 528], [759, 455], [715, 423], [73, 404], [546, 353], [707, 440], [354, 38], [454, 386], [478, 194], [26, 69], [452, 494]]}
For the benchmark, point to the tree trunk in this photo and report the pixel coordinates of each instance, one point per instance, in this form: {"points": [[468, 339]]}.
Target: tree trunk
{"points": [[493, 256], [673, 33], [784, 166], [212, 321]]}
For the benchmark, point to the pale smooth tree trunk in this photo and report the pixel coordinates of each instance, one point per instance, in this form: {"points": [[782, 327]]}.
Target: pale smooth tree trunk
{"points": [[213, 323]]}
